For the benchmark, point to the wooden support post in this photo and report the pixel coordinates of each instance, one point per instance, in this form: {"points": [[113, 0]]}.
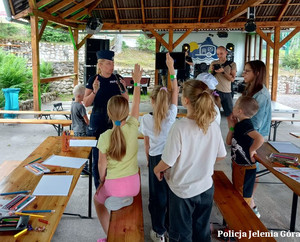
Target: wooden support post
{"points": [[157, 45], [268, 53], [76, 62], [249, 47], [275, 63], [171, 49], [35, 63], [260, 48], [255, 41]]}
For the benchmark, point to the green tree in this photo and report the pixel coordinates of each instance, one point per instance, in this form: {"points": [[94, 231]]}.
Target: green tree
{"points": [[144, 43]]}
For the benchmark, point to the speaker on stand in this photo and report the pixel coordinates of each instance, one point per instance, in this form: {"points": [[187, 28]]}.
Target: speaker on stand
{"points": [[91, 47]]}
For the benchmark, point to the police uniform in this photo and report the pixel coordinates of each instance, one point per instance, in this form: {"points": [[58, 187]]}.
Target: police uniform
{"points": [[99, 121]]}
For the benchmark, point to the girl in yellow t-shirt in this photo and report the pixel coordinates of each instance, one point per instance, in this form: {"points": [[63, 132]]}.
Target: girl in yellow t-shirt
{"points": [[118, 147]]}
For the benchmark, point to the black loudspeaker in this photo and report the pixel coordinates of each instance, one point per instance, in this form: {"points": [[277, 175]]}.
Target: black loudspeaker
{"points": [[89, 71], [91, 47]]}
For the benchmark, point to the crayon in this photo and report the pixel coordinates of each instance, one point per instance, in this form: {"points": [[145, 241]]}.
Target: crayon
{"points": [[43, 221], [35, 160], [20, 233], [38, 211], [55, 172]]}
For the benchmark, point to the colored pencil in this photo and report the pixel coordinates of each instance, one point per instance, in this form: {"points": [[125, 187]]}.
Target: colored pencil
{"points": [[38, 211], [35, 160], [11, 193], [20, 233], [54, 172], [28, 214]]}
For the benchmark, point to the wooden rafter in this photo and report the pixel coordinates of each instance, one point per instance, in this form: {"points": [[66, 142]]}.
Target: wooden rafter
{"points": [[143, 11], [75, 8], [83, 41], [265, 37], [240, 10], [160, 39], [283, 9], [32, 4], [171, 11], [43, 3], [59, 6], [182, 37], [53, 19], [23, 14], [226, 8], [200, 11], [86, 11], [41, 31], [287, 38], [116, 11]]}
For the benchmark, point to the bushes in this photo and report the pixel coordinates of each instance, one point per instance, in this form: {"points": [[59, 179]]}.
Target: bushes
{"points": [[14, 73], [144, 43]]}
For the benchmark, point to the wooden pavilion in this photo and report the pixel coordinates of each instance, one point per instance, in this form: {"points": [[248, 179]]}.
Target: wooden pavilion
{"points": [[154, 16]]}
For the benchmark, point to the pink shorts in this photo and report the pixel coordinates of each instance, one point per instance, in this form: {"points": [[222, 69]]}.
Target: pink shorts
{"points": [[128, 186]]}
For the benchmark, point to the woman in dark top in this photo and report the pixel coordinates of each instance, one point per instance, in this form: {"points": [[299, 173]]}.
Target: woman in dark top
{"points": [[99, 89]]}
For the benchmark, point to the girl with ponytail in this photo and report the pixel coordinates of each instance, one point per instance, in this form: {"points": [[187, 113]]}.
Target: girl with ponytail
{"points": [[193, 146], [118, 147], [155, 129]]}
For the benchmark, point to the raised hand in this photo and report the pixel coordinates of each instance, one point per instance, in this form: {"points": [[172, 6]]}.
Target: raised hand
{"points": [[96, 85], [137, 73]]}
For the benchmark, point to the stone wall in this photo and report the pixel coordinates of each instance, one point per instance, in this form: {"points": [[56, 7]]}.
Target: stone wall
{"points": [[45, 98]]}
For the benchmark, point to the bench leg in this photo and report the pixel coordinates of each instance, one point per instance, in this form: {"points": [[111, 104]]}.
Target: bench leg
{"points": [[294, 212]]}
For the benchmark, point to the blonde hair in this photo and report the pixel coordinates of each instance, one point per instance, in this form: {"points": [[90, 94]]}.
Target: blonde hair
{"points": [[117, 110], [201, 101], [98, 68], [161, 98], [78, 90]]}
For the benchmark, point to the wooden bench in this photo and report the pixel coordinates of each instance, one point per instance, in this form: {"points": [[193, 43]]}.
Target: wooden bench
{"points": [[46, 114], [58, 124], [7, 167], [234, 209], [127, 223]]}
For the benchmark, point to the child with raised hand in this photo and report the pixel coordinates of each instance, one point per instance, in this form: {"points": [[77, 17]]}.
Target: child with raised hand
{"points": [[244, 141], [193, 146], [118, 147], [80, 120], [155, 129]]}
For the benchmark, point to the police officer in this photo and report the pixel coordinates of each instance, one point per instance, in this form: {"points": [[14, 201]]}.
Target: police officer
{"points": [[99, 89]]}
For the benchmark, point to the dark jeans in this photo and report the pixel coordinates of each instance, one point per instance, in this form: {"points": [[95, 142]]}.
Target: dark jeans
{"points": [[99, 123], [158, 199], [189, 218]]}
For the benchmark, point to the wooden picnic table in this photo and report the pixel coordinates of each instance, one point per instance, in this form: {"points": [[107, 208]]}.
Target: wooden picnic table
{"points": [[262, 153], [22, 179]]}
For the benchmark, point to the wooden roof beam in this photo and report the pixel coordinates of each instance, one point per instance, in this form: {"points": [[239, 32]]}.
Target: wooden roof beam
{"points": [[116, 11], [54, 19], [283, 9], [231, 25], [200, 11], [87, 10], [160, 39], [143, 11], [32, 4], [226, 7], [43, 3], [75, 8], [265, 37], [287, 38], [171, 11], [59, 6], [240, 10]]}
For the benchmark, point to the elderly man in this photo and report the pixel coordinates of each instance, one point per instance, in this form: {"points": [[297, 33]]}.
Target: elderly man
{"points": [[224, 71]]}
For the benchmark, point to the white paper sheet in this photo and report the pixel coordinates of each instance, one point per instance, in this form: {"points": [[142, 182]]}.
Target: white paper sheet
{"points": [[53, 185], [83, 143], [285, 147], [65, 161]]}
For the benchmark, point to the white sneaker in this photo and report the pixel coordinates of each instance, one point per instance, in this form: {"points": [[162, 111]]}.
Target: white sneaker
{"points": [[156, 237], [256, 211], [116, 203]]}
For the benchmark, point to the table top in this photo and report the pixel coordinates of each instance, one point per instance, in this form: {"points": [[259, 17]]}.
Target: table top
{"points": [[280, 108], [264, 151], [22, 179]]}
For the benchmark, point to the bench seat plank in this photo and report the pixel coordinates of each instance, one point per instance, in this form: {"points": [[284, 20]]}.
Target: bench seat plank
{"points": [[234, 209], [62, 122], [127, 224]]}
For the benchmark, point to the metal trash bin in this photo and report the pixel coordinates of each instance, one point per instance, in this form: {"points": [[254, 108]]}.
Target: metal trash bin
{"points": [[11, 100]]}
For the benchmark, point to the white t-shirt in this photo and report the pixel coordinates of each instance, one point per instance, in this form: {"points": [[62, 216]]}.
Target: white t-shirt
{"points": [[218, 116], [191, 154], [157, 142]]}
